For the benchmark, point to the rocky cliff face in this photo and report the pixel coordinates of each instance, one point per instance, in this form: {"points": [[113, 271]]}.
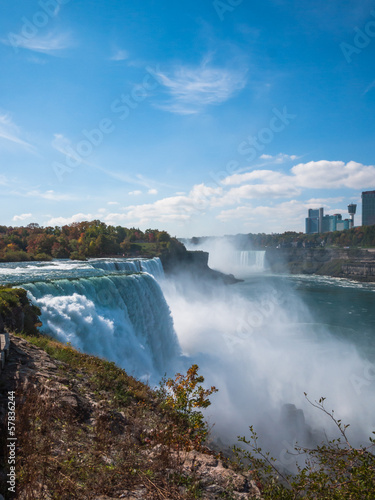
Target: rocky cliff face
{"points": [[345, 263], [362, 270], [16, 312], [195, 264]]}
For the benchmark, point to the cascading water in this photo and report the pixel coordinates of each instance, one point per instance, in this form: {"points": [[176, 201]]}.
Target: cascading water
{"points": [[150, 266], [250, 259], [16, 273], [240, 263], [153, 267], [224, 257], [123, 318], [112, 265]]}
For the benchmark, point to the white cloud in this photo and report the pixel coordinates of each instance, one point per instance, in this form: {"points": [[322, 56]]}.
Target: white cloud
{"points": [[201, 191], [323, 202], [255, 175], [333, 175], [45, 195], [11, 132], [289, 213], [135, 193], [280, 158], [250, 191], [322, 174], [62, 221], [152, 191], [252, 198], [21, 217], [258, 184], [50, 195], [174, 208], [47, 44], [113, 203], [201, 199], [120, 55], [193, 88], [242, 212]]}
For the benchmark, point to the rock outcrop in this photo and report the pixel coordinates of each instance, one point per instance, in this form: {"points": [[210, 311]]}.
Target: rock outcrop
{"points": [[68, 429], [348, 263], [195, 264]]}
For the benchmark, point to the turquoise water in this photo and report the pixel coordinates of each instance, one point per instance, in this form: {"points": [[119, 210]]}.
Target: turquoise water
{"points": [[344, 308]]}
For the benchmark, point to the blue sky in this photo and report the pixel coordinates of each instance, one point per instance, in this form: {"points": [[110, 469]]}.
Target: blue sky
{"points": [[199, 117]]}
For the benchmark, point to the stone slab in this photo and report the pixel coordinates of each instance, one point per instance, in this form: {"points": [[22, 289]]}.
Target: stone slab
{"points": [[4, 342]]}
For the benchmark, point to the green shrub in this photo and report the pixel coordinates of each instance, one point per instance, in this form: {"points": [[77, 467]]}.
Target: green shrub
{"points": [[42, 257], [77, 256], [16, 312], [15, 256]]}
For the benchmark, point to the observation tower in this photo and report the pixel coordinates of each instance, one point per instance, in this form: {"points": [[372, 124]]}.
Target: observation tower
{"points": [[352, 208]]}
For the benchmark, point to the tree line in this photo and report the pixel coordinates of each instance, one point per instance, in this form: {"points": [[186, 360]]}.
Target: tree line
{"points": [[80, 240], [358, 237]]}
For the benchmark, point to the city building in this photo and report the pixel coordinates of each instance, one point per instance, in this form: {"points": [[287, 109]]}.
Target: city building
{"points": [[317, 222], [368, 208], [314, 220]]}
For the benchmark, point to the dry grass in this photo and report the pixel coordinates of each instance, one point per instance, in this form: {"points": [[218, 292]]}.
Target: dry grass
{"points": [[107, 433]]}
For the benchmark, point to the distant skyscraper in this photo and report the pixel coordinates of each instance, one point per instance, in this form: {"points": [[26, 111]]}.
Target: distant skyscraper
{"points": [[314, 220], [368, 208], [317, 222]]}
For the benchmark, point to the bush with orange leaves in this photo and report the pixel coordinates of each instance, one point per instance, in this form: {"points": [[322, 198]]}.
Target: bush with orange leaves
{"points": [[183, 397]]}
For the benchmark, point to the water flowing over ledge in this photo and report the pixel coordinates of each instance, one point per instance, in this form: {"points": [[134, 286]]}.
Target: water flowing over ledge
{"points": [[17, 273], [112, 308]]}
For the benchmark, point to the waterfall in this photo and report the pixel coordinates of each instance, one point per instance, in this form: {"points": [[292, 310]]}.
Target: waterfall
{"points": [[150, 266], [122, 318], [153, 267], [251, 259], [133, 266]]}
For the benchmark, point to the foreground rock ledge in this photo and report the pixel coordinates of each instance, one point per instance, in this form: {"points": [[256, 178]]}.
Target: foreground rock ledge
{"points": [[31, 367]]}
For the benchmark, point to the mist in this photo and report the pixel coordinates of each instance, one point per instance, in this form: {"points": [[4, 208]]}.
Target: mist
{"points": [[226, 258], [261, 345]]}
